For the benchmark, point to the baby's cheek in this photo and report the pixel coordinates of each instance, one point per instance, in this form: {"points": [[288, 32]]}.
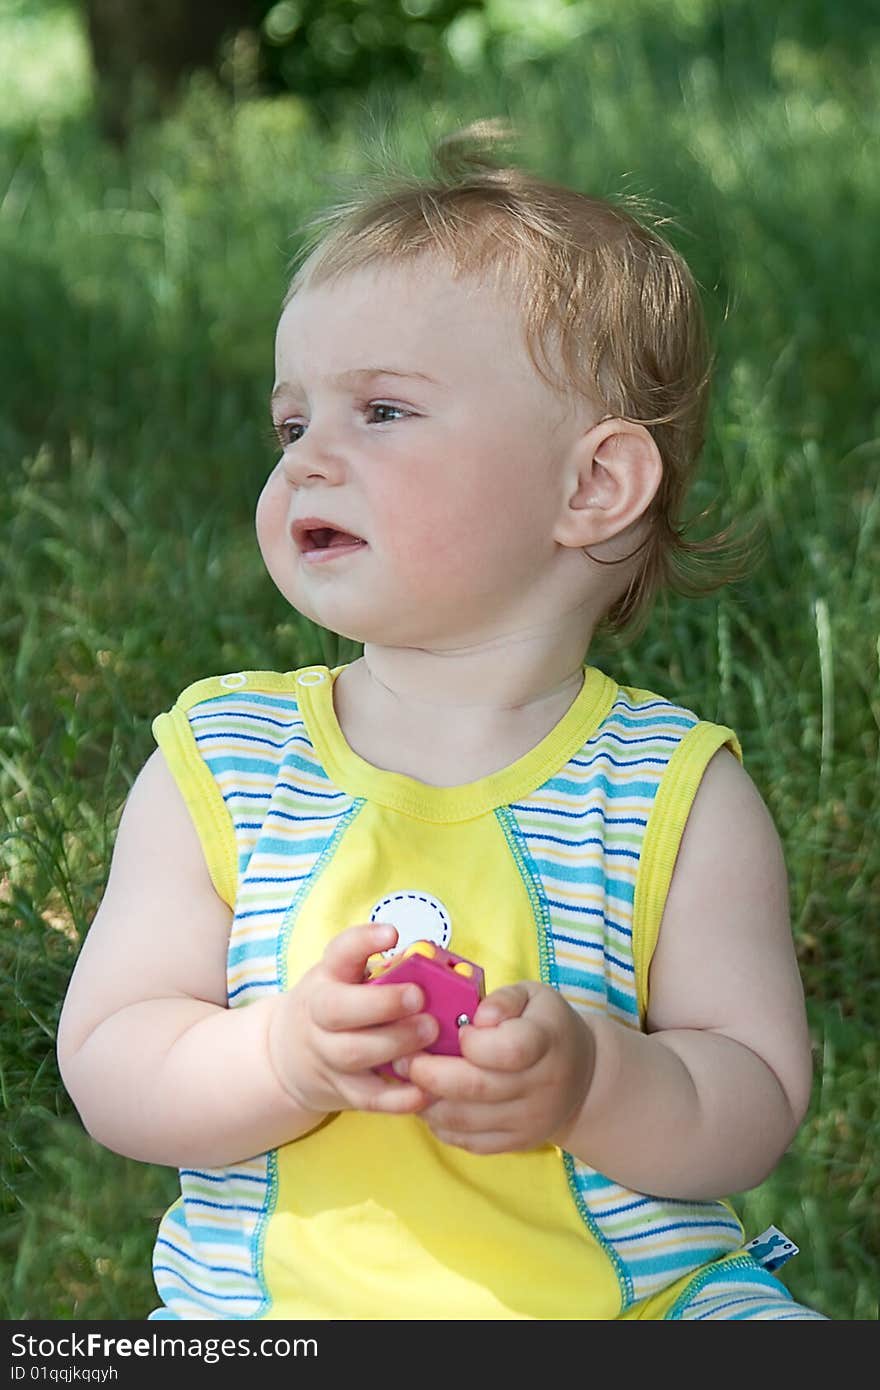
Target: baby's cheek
{"points": [[271, 514], [428, 537]]}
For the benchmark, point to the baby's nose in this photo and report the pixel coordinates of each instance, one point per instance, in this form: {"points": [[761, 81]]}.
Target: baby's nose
{"points": [[313, 457]]}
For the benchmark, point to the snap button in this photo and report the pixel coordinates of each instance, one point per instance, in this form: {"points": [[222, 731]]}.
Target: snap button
{"points": [[233, 681], [311, 677]]}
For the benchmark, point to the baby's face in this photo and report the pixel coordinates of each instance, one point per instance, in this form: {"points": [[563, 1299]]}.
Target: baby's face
{"points": [[445, 463]]}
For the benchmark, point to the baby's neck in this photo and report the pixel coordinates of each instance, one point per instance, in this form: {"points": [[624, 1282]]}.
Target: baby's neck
{"points": [[448, 718], [483, 680]]}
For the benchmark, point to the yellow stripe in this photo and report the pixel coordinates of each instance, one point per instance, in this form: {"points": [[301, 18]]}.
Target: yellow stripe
{"points": [[206, 806], [262, 682], [666, 824]]}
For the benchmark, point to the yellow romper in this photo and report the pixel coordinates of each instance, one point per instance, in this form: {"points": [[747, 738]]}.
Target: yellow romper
{"points": [[555, 868]]}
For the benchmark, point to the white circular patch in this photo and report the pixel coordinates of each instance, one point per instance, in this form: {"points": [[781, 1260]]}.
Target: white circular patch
{"points": [[417, 917], [310, 677]]}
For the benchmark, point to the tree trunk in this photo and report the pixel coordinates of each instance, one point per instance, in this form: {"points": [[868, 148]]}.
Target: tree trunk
{"points": [[142, 48]]}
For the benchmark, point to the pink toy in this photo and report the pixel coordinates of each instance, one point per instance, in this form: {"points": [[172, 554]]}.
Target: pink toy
{"points": [[453, 987]]}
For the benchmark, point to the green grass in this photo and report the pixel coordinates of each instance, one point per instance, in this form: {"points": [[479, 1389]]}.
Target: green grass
{"points": [[139, 298]]}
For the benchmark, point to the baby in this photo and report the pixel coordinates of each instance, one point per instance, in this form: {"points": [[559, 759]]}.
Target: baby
{"points": [[489, 398]]}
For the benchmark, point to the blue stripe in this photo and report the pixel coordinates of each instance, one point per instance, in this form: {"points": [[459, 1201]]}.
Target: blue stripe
{"points": [[567, 787], [618, 1211], [618, 927], [273, 844], [668, 1264], [559, 813], [533, 838], [755, 1311], [675, 1226], [623, 703], [247, 714], [275, 814], [593, 1182], [236, 736], [218, 1206], [609, 736], [576, 908], [252, 984], [675, 720], [217, 765], [207, 1293], [604, 757], [309, 794], [624, 964], [726, 1274], [194, 1259], [207, 1235], [578, 941], [580, 979], [624, 1002], [251, 950], [276, 878], [563, 873], [583, 873], [248, 697], [224, 1176]]}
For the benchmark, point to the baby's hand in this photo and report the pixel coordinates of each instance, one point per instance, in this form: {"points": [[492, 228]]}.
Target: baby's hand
{"points": [[328, 1031], [524, 1072]]}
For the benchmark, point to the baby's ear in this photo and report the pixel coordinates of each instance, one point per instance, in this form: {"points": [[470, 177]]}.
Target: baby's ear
{"points": [[615, 470]]}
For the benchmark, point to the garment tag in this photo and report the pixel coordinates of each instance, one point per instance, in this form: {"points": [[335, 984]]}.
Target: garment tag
{"points": [[772, 1249]]}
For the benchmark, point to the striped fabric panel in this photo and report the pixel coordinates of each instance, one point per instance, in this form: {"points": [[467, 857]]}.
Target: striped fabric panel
{"points": [[580, 836], [733, 1293], [285, 814], [204, 1262], [583, 831], [284, 811]]}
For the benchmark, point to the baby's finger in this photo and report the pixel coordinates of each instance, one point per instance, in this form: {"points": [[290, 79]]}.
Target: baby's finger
{"points": [[456, 1079], [466, 1118], [365, 1048], [507, 1002], [340, 1007], [513, 1046], [346, 956], [386, 1097]]}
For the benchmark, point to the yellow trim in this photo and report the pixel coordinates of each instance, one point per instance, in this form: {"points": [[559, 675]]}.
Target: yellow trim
{"points": [[204, 801], [656, 1307], [270, 682], [425, 802], [173, 733], [666, 823]]}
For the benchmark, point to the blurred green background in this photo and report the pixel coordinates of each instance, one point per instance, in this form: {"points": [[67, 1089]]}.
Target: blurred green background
{"points": [[148, 208]]}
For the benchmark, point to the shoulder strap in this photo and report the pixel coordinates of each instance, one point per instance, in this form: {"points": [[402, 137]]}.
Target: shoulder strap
{"points": [[173, 733], [666, 823]]}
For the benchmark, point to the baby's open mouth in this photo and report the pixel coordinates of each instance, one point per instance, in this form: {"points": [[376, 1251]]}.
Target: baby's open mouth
{"points": [[310, 533], [324, 537]]}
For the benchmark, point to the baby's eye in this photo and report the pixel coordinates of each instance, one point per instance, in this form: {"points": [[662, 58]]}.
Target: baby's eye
{"points": [[380, 405], [284, 429], [291, 430]]}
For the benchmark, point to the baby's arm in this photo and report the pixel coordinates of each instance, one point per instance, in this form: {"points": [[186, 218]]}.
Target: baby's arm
{"points": [[704, 1103], [158, 1066]]}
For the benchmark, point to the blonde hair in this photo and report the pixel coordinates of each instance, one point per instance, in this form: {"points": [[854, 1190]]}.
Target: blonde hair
{"points": [[601, 292]]}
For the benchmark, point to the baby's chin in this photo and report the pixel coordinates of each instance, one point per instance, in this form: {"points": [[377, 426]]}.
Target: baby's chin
{"points": [[360, 614]]}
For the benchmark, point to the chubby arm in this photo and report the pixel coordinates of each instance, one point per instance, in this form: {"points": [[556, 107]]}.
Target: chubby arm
{"points": [[706, 1101], [156, 1063]]}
